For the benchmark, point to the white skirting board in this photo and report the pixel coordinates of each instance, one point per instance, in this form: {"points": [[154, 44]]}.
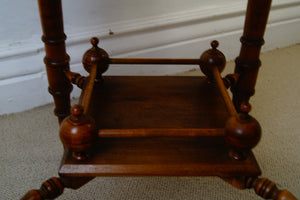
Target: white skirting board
{"points": [[23, 81]]}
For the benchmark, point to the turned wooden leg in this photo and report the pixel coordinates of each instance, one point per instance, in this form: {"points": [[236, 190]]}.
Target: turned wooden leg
{"points": [[248, 62], [268, 189], [262, 186], [54, 187], [50, 189], [56, 59]]}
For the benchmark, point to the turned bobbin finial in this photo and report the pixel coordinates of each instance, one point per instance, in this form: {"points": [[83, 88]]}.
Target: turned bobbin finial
{"points": [[212, 58], [242, 133], [78, 132], [97, 56]]}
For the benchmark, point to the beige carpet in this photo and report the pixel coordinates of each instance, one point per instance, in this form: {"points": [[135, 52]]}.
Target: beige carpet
{"points": [[31, 150]]}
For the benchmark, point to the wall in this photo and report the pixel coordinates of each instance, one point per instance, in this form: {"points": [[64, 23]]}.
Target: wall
{"points": [[141, 28]]}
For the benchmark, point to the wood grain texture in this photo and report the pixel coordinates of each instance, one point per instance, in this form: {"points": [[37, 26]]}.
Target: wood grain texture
{"points": [[248, 62], [56, 59], [158, 103], [136, 116], [130, 133], [200, 156], [78, 132]]}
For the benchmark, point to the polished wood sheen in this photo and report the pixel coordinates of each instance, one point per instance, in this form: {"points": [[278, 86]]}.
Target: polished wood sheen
{"points": [[50, 189], [171, 156], [139, 102], [156, 126], [78, 132], [268, 189], [248, 62], [56, 59]]}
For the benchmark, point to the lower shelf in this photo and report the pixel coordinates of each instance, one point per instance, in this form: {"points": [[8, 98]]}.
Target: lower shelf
{"points": [[182, 156]]}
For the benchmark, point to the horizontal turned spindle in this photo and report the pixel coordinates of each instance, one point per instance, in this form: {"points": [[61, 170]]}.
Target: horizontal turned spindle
{"points": [[139, 133], [162, 61], [76, 78], [230, 80]]}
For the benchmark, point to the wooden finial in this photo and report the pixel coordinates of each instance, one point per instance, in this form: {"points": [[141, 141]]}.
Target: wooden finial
{"points": [[212, 58], [96, 57], [78, 133], [245, 109], [242, 133], [76, 113], [94, 41], [214, 44]]}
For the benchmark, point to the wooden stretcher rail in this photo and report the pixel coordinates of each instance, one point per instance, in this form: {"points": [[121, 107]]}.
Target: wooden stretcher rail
{"points": [[163, 61], [86, 98], [229, 104], [129, 133]]}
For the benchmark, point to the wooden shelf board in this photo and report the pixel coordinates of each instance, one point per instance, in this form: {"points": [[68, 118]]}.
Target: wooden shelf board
{"points": [[182, 156], [136, 117], [163, 102]]}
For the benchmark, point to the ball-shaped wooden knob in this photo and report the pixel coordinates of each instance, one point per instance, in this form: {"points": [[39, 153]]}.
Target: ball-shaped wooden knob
{"points": [[245, 108], [242, 134], [214, 44], [212, 58], [78, 132], [97, 56], [94, 41], [76, 114]]}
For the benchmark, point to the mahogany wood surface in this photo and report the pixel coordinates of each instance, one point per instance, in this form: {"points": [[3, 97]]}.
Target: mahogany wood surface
{"points": [[50, 189], [230, 107], [56, 59], [268, 189], [137, 116], [248, 62], [189, 156], [130, 102], [262, 187], [78, 132]]}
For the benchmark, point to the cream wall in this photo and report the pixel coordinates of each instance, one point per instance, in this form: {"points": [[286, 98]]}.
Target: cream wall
{"points": [[142, 28]]}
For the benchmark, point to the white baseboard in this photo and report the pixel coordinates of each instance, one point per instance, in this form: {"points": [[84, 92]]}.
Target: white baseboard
{"points": [[23, 83]]}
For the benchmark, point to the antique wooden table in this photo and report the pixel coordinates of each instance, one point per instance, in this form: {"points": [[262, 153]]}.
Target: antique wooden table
{"points": [[156, 126]]}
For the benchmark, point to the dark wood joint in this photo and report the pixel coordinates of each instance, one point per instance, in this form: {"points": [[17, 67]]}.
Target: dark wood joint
{"points": [[249, 42], [243, 66], [230, 80], [52, 63], [54, 40], [76, 78]]}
